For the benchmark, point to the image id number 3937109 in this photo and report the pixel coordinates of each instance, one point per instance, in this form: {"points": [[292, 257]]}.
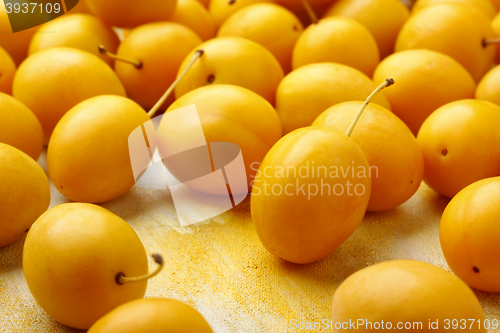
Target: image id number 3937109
{"points": [[455, 324], [26, 14], [32, 7]]}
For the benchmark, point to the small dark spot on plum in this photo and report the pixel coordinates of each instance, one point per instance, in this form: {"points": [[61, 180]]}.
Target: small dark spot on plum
{"points": [[295, 27], [444, 152], [231, 2], [411, 182], [211, 79], [476, 269]]}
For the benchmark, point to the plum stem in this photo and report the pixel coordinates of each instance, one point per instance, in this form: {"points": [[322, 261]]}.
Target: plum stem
{"points": [[490, 41], [386, 83], [136, 63], [310, 11], [122, 279], [151, 113]]}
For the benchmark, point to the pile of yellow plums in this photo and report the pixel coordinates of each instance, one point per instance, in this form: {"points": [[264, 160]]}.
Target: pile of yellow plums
{"points": [[339, 107]]}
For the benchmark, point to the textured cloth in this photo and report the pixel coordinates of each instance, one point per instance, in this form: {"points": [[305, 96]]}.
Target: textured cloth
{"points": [[220, 267]]}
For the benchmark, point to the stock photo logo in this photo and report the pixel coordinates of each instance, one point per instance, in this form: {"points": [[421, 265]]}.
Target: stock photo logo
{"points": [[26, 14], [205, 179]]}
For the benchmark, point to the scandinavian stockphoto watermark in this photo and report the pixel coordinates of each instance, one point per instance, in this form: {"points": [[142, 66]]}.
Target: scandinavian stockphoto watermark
{"points": [[368, 325], [358, 324], [205, 179], [311, 180]]}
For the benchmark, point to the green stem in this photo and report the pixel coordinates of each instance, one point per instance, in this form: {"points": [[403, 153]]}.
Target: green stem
{"points": [[386, 83], [167, 93], [136, 63], [490, 41], [122, 279], [310, 11]]}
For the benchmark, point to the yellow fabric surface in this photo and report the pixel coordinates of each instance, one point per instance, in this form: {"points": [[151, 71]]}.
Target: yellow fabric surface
{"points": [[220, 267]]}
